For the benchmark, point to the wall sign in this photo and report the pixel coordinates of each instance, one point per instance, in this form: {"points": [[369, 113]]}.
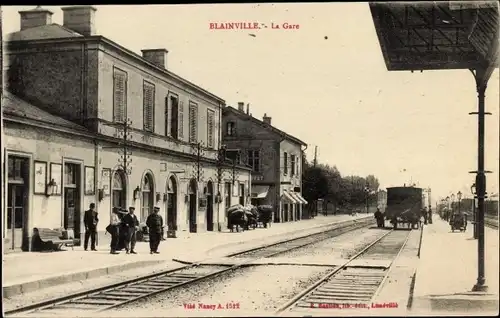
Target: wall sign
{"points": [[40, 177]]}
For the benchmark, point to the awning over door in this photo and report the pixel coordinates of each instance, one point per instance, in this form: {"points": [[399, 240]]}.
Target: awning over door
{"points": [[259, 192], [294, 196], [288, 197], [299, 196]]}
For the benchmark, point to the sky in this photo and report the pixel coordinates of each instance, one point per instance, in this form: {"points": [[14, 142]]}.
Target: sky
{"points": [[325, 83]]}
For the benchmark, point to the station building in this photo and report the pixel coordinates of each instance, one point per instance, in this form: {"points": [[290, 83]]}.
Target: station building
{"points": [[274, 156], [87, 120]]}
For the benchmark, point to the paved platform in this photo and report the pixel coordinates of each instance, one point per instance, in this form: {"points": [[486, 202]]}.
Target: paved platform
{"points": [[23, 272], [447, 271]]}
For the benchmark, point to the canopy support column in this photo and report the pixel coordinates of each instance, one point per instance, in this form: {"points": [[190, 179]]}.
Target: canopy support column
{"points": [[482, 76]]}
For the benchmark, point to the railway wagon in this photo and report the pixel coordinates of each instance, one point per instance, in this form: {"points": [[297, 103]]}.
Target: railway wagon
{"points": [[404, 206]]}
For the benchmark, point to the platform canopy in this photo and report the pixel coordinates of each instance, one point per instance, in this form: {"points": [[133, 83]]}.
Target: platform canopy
{"points": [[437, 34]]}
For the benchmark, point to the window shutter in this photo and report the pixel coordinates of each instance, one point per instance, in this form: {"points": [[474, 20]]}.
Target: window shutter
{"points": [[166, 115], [119, 96], [148, 107], [193, 138], [210, 127], [181, 120]]}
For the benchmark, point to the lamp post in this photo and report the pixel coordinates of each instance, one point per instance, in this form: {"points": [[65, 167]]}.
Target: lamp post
{"points": [[452, 202], [367, 191], [474, 217], [459, 198]]}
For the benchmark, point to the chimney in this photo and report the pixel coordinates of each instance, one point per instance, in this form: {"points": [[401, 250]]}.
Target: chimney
{"points": [[156, 56], [241, 106], [80, 19], [248, 109], [266, 119], [35, 18]]}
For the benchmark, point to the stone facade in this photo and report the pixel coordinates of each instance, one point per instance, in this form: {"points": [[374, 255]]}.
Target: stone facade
{"points": [[245, 135], [63, 110]]}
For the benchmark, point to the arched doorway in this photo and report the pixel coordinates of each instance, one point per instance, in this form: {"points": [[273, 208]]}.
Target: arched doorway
{"points": [[172, 204], [147, 201], [119, 190], [193, 189], [210, 206]]}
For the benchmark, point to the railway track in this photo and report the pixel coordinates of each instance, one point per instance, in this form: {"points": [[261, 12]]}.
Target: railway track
{"points": [[122, 293], [289, 245], [491, 222], [350, 286]]}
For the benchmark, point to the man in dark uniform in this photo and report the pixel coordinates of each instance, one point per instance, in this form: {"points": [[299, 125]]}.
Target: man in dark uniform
{"points": [[379, 217], [90, 221], [131, 222], [154, 222]]}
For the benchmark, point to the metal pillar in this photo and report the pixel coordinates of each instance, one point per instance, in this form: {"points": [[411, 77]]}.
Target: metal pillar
{"points": [[481, 81]]}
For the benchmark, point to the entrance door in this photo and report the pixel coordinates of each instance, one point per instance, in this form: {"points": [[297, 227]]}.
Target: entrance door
{"points": [[192, 207], [172, 204], [72, 211], [72, 183], [210, 206], [16, 218], [210, 212]]}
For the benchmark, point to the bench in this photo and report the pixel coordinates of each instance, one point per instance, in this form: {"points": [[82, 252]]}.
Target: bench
{"points": [[48, 239]]}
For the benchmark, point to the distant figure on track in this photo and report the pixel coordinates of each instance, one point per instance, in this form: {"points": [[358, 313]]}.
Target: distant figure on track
{"points": [[154, 222], [379, 216]]}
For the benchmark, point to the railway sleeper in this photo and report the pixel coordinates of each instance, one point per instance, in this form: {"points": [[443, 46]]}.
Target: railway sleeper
{"points": [[340, 296], [120, 293], [98, 302]]}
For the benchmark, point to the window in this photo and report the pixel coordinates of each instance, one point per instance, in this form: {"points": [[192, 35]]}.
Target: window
{"points": [[148, 102], [119, 96], [241, 193], [211, 128], [70, 174], [16, 168], [166, 116], [119, 190], [227, 195], [193, 121], [285, 163], [181, 120], [292, 165], [254, 160], [174, 117], [230, 129], [234, 155]]}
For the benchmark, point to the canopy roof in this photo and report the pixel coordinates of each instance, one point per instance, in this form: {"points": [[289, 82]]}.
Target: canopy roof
{"points": [[437, 35]]}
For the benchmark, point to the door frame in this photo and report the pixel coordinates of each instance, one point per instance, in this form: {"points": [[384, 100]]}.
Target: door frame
{"points": [[29, 200], [176, 199], [210, 206], [79, 163]]}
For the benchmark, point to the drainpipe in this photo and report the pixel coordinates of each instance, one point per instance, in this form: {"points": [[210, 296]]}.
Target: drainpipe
{"points": [[97, 170], [219, 134]]}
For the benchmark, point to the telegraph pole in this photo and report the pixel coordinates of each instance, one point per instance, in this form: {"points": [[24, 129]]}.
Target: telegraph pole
{"points": [[125, 159], [315, 156], [198, 168]]}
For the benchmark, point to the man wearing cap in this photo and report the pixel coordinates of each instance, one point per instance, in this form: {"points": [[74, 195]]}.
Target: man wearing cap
{"points": [[154, 222], [90, 221], [131, 223]]}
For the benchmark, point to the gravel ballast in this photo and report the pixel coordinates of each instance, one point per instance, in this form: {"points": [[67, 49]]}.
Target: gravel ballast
{"points": [[258, 290]]}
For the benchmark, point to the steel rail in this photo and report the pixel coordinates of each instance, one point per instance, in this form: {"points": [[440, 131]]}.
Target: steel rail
{"points": [[68, 299], [306, 292]]}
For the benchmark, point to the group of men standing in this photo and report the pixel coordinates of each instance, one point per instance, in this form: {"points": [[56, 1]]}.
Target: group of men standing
{"points": [[123, 228]]}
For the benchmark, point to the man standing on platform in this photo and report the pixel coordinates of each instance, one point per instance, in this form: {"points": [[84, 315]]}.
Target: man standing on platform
{"points": [[154, 222], [90, 221], [131, 222]]}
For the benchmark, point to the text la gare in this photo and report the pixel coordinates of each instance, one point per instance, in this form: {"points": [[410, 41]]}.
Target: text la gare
{"points": [[285, 26]]}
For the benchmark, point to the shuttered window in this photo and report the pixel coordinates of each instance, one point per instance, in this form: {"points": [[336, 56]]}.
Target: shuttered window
{"points": [[193, 122], [292, 165], [174, 117], [210, 128], [148, 103], [119, 95], [181, 120], [166, 116]]}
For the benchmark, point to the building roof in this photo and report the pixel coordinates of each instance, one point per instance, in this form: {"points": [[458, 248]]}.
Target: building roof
{"points": [[55, 33], [49, 31], [17, 107], [437, 35], [264, 125]]}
